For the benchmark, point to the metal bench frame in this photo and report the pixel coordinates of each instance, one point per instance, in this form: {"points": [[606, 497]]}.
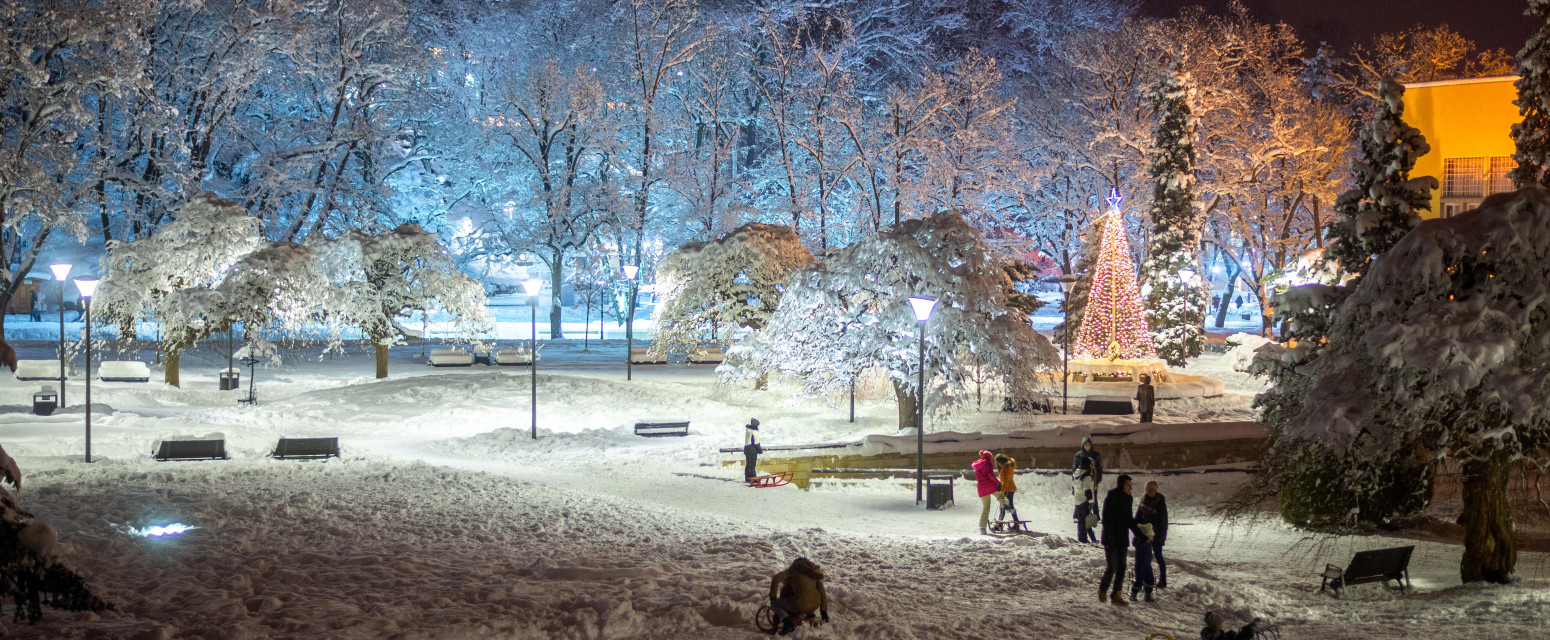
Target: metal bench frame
{"points": [[306, 449], [1377, 565], [191, 450], [660, 429]]}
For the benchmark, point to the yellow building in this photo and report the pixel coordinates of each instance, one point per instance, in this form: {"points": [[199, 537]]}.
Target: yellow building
{"points": [[1468, 124]]}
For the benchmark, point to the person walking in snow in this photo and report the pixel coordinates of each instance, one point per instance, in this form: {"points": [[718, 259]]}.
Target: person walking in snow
{"points": [[1146, 397], [1215, 629], [35, 309], [987, 484], [803, 594], [751, 450], [1154, 511], [1118, 525], [1006, 471], [1086, 474]]}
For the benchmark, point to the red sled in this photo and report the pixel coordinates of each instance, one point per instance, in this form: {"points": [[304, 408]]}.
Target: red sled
{"points": [[773, 480]]}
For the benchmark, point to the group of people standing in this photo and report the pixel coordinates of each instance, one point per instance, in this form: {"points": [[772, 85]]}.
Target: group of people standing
{"points": [[995, 476], [1123, 524]]}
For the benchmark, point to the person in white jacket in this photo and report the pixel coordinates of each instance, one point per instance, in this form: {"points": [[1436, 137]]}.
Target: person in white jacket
{"points": [[751, 449]]}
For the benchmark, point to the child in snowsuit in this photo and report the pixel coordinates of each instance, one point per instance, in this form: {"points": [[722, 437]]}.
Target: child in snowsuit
{"points": [[1214, 629], [1006, 470], [751, 450], [804, 584], [1144, 578]]}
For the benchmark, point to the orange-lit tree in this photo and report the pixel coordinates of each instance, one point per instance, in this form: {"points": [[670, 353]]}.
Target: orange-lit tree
{"points": [[1113, 325]]}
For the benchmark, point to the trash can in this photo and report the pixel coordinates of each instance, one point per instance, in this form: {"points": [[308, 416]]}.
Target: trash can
{"points": [[45, 402], [231, 379], [939, 492]]}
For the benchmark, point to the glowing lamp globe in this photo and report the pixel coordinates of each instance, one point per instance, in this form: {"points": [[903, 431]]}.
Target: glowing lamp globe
{"points": [[533, 287], [1186, 276], [61, 271], [922, 308], [629, 271], [87, 286]]}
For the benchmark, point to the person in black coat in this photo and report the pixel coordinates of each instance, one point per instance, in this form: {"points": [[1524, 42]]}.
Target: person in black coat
{"points": [[1154, 511], [751, 450], [1146, 397], [1086, 477], [1118, 524]]}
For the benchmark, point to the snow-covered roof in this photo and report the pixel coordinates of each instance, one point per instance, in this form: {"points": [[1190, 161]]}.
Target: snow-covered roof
{"points": [[1444, 83]]}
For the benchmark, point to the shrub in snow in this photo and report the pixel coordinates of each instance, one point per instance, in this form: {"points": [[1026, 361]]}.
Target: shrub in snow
{"points": [[29, 572], [171, 276], [380, 278], [848, 314], [1175, 307], [710, 289], [1241, 356], [1440, 352]]}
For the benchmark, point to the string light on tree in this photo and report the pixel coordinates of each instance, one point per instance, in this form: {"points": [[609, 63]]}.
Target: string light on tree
{"points": [[1113, 326]]}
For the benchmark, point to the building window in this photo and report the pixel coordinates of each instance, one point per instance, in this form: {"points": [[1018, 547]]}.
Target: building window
{"points": [[1476, 177], [1450, 209]]}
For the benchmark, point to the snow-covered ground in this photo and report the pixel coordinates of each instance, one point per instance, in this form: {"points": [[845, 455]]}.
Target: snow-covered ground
{"points": [[446, 520]]}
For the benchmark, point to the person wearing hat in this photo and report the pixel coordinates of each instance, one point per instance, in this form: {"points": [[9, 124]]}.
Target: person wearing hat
{"points": [[1086, 473], [751, 450], [1215, 629]]}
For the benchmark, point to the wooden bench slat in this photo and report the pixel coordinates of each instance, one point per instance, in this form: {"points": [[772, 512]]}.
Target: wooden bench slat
{"points": [[658, 429], [191, 450], [304, 448]]}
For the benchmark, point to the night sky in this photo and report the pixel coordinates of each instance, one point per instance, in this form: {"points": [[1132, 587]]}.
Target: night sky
{"points": [[1490, 23]]}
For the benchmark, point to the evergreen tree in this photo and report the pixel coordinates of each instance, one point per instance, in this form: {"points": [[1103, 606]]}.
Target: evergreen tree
{"points": [[1114, 322], [1382, 208], [1175, 301], [1532, 136]]}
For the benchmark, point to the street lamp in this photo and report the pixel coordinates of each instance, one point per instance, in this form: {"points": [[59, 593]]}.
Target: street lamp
{"points": [[533, 287], [922, 308], [1067, 283], [87, 285], [1186, 275], [630, 271], [61, 272]]}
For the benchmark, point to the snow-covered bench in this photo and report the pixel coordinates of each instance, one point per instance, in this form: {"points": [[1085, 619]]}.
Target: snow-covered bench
{"points": [[706, 355], [124, 371], [37, 369], [643, 355], [657, 428], [511, 357], [191, 450], [451, 358], [306, 448]]}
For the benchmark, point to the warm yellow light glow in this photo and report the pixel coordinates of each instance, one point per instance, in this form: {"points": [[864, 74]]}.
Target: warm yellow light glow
{"points": [[1112, 325]]}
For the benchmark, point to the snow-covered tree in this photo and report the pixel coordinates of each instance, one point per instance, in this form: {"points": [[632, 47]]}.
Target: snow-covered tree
{"points": [[1440, 349], [1384, 205], [848, 315], [388, 275], [1532, 135], [1075, 303], [170, 277], [708, 290], [1175, 306], [30, 573]]}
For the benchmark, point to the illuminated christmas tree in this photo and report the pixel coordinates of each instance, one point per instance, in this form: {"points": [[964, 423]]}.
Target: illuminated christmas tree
{"points": [[1113, 325]]}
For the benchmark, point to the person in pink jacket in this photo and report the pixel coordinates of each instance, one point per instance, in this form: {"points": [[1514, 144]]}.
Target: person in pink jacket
{"points": [[988, 485]]}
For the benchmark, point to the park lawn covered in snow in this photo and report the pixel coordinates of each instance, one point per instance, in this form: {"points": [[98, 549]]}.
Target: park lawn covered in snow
{"points": [[445, 520]]}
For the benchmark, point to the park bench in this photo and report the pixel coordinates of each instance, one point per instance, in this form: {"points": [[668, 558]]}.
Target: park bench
{"points": [[1108, 406], [191, 450], [450, 358], [123, 371], [709, 354], [511, 357], [643, 355], [306, 448], [30, 370], [1377, 565], [659, 428]]}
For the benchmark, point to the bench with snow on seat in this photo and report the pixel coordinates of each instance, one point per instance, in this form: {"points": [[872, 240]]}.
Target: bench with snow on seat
{"points": [[450, 358], [209, 449], [511, 357], [1377, 565], [29, 370], [643, 355], [124, 371], [306, 449], [659, 428]]}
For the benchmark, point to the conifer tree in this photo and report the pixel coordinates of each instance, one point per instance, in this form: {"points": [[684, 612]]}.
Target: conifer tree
{"points": [[1175, 301], [1532, 136]]}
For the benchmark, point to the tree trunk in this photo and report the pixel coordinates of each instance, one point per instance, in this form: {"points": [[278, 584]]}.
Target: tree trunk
{"points": [[556, 282], [382, 351], [909, 412], [171, 355], [1490, 543], [1221, 310]]}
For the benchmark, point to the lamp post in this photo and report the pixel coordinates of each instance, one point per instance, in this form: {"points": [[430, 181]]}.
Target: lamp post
{"points": [[61, 273], [630, 271], [1067, 283], [533, 287], [87, 286], [922, 308]]}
